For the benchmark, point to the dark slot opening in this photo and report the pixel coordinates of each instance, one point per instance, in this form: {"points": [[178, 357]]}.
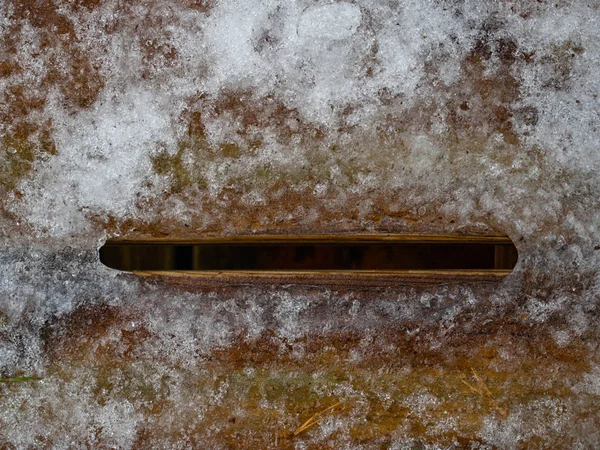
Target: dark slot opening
{"points": [[319, 254]]}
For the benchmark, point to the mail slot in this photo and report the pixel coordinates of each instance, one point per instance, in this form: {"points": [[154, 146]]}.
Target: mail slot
{"points": [[326, 259], [314, 254]]}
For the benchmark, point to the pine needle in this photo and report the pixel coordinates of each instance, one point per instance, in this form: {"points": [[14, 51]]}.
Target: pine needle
{"points": [[481, 383], [18, 379], [484, 389], [470, 386], [318, 417]]}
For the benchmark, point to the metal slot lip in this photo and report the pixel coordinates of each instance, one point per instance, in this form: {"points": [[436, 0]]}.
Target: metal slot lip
{"points": [[316, 258], [325, 238]]}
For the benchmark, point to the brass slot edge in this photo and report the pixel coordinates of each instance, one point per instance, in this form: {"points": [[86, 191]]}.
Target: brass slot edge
{"points": [[337, 279], [324, 273], [318, 238]]}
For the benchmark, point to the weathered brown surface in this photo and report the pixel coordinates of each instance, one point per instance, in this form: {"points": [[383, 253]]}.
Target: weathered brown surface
{"points": [[376, 382], [193, 119]]}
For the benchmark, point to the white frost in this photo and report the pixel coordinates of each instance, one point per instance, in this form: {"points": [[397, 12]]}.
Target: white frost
{"points": [[332, 21], [102, 161]]}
